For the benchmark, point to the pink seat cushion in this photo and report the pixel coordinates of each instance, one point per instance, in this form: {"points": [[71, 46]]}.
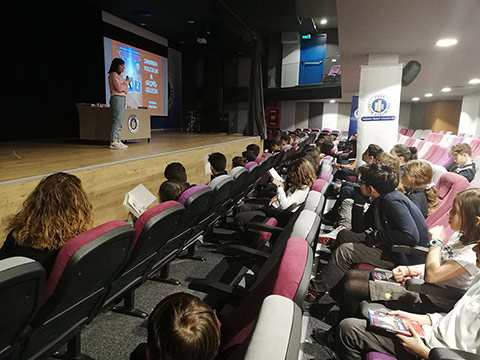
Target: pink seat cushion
{"points": [[250, 164], [147, 215], [70, 248], [265, 236], [318, 185], [364, 267], [379, 356], [282, 280], [189, 192]]}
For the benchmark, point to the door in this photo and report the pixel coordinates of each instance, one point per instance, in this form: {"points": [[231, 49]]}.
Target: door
{"points": [[312, 58]]}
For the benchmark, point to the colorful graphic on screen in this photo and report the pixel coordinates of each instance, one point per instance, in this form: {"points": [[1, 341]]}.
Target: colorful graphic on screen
{"points": [[148, 73]]}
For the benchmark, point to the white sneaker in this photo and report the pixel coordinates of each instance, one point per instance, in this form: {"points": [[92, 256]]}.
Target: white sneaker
{"points": [[123, 145], [330, 237], [117, 145]]}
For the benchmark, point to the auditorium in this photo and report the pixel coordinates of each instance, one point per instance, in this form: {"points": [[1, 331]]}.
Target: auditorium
{"points": [[221, 179]]}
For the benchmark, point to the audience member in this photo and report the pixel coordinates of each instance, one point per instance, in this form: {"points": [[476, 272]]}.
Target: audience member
{"points": [[218, 164], [238, 161], [397, 221], [457, 329], [285, 139], [290, 195], [170, 190], [180, 327], [56, 211], [255, 148], [275, 147], [176, 172], [403, 153], [417, 180], [249, 155], [463, 162]]}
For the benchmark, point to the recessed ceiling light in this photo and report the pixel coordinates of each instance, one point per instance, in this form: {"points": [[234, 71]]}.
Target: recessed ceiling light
{"points": [[446, 89], [474, 81], [428, 95], [191, 21], [332, 101], [446, 42], [143, 24], [415, 98], [323, 22]]}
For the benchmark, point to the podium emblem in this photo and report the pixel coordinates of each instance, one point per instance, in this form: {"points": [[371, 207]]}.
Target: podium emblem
{"points": [[132, 123]]}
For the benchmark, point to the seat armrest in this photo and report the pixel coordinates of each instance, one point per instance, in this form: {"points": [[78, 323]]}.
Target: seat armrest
{"points": [[216, 288], [438, 290], [245, 251], [449, 354], [410, 250], [259, 226]]}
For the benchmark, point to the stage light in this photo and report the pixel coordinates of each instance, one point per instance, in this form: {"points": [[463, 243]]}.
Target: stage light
{"points": [[415, 98], [446, 42]]}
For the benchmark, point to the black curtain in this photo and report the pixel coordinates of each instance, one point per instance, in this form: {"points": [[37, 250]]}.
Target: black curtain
{"points": [[256, 114]]}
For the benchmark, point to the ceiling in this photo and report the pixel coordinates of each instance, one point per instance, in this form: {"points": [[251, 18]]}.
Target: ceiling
{"points": [[409, 28]]}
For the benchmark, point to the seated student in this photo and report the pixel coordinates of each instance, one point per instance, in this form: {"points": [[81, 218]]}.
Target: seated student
{"points": [[276, 147], [180, 327], [397, 222], [300, 177], [238, 161], [316, 159], [326, 148], [285, 139], [176, 172], [417, 180], [348, 169], [453, 265], [255, 148], [404, 154], [170, 190], [457, 329], [249, 155], [56, 211], [218, 164], [463, 162]]}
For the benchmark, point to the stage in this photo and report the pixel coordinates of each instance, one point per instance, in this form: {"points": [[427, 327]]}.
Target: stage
{"points": [[108, 174]]}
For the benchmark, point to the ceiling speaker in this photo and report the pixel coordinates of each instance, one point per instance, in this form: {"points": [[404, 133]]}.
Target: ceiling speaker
{"points": [[410, 72]]}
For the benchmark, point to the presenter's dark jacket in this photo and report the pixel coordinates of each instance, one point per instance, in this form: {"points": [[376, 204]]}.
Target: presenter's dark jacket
{"points": [[399, 222], [45, 257]]}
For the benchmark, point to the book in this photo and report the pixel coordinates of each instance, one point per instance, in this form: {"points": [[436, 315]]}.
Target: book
{"points": [[138, 199], [274, 175], [393, 324]]}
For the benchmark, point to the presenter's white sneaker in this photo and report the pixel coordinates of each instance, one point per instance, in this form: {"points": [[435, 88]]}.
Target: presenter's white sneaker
{"points": [[118, 145]]}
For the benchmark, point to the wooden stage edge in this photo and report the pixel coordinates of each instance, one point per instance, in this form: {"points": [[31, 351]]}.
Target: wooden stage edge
{"points": [[111, 173]]}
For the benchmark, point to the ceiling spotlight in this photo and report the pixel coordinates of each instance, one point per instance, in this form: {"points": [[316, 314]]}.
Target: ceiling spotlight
{"points": [[323, 22], [446, 42], [191, 21], [143, 24], [428, 95], [332, 101], [474, 81], [415, 98], [446, 89]]}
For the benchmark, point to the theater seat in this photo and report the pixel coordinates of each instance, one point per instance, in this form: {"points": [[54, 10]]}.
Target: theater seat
{"points": [[448, 186], [277, 333], [21, 286], [315, 202], [438, 171], [154, 230], [77, 284]]}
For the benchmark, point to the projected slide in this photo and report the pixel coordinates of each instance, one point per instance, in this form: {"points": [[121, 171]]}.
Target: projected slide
{"points": [[148, 74]]}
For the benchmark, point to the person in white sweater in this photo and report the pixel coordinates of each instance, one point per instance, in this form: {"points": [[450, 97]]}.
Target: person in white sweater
{"points": [[457, 329], [290, 194]]}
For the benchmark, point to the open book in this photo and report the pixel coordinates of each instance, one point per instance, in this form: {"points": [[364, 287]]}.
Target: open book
{"points": [[138, 199], [274, 175], [394, 324]]}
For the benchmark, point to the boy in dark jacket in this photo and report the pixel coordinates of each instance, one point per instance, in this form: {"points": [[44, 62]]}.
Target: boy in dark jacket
{"points": [[463, 165], [397, 222]]}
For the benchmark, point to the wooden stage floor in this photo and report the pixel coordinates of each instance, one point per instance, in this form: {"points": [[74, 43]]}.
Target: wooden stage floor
{"points": [[108, 174]]}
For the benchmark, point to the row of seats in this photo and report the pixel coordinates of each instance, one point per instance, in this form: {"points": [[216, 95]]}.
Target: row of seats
{"points": [[105, 265]]}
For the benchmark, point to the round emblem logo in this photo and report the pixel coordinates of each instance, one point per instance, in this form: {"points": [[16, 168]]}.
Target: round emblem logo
{"points": [[132, 124], [378, 105]]}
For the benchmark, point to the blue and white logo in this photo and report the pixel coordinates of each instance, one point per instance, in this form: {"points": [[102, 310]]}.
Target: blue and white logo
{"points": [[378, 108]]}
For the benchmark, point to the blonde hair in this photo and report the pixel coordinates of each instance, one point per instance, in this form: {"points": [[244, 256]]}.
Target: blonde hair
{"points": [[387, 158], [56, 211], [419, 175], [300, 174]]}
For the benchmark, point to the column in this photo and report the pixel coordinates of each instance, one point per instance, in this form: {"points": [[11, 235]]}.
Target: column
{"points": [[379, 102]]}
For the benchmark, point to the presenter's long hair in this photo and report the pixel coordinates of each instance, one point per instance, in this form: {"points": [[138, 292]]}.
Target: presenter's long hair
{"points": [[56, 211], [116, 62]]}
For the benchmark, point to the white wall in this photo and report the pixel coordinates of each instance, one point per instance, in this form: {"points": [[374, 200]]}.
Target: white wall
{"points": [[290, 64], [470, 115], [330, 115]]}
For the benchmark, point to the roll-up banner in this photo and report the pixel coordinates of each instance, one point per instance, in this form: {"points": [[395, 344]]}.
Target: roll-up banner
{"points": [[378, 106], [352, 128]]}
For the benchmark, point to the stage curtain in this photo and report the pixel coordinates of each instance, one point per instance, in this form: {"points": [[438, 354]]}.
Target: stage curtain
{"points": [[256, 114]]}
